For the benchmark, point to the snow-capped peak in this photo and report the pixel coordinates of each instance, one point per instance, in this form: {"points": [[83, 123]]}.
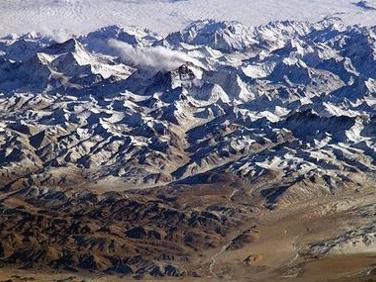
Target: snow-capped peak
{"points": [[216, 97]]}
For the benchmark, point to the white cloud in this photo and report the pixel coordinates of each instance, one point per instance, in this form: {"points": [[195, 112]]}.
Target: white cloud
{"points": [[155, 58]]}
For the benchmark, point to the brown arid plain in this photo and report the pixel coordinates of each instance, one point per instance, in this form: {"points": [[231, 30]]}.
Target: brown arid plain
{"points": [[206, 232]]}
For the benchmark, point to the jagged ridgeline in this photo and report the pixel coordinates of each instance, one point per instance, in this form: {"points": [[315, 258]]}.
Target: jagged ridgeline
{"points": [[124, 108]]}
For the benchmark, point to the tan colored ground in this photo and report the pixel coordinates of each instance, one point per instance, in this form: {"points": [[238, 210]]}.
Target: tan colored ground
{"points": [[267, 245], [276, 253]]}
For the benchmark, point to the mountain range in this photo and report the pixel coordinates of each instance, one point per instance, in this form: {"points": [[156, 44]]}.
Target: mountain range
{"points": [[283, 111], [217, 97]]}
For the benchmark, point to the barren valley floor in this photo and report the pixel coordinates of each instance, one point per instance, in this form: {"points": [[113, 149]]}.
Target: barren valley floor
{"points": [[231, 236]]}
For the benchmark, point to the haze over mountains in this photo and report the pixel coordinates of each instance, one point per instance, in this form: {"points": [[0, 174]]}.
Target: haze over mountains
{"points": [[124, 152], [65, 17]]}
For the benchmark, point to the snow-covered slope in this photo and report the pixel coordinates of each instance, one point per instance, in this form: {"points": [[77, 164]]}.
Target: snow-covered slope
{"points": [[289, 98]]}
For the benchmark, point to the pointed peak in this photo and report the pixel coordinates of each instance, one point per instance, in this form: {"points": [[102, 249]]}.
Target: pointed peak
{"points": [[68, 46]]}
